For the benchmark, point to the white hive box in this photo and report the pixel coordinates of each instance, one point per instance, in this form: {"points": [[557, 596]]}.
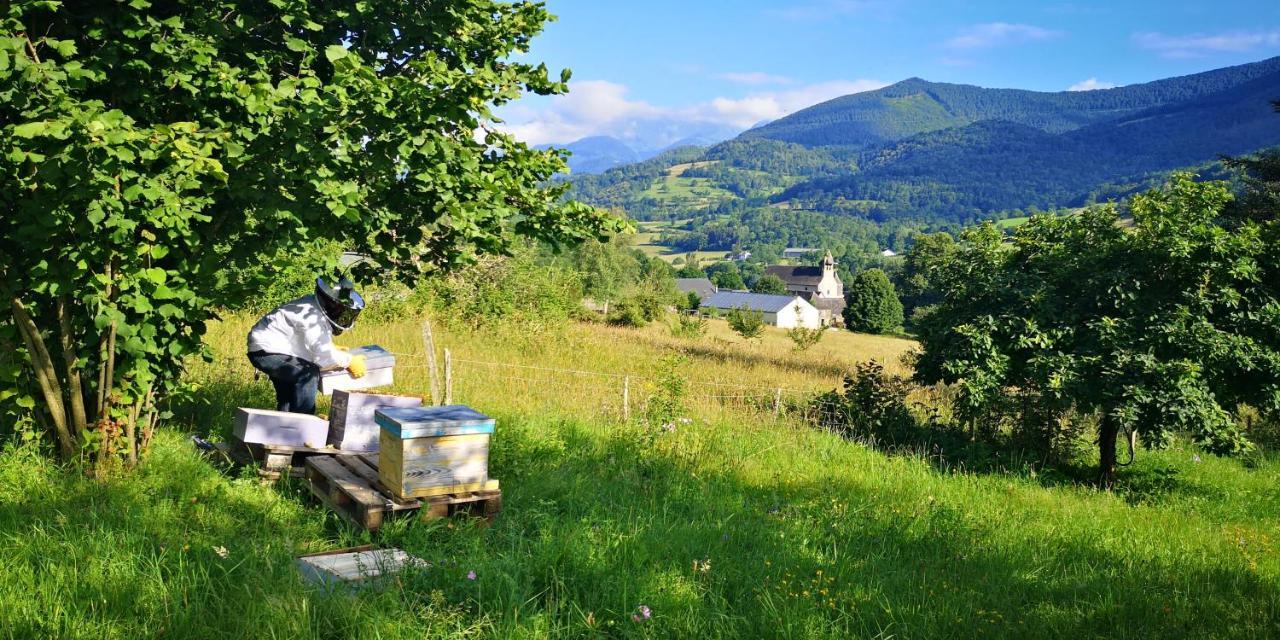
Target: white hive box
{"points": [[351, 423], [379, 363], [262, 426]]}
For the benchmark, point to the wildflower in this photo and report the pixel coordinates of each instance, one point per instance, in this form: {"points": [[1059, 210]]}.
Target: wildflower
{"points": [[642, 613], [685, 420], [222, 552], [471, 575], [1195, 457], [669, 427]]}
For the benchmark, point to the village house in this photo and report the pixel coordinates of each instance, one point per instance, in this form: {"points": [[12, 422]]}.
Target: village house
{"points": [[703, 287], [820, 286], [780, 311]]}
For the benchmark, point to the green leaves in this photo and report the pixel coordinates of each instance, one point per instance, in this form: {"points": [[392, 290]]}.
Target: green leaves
{"points": [[335, 52], [1156, 329], [221, 147]]}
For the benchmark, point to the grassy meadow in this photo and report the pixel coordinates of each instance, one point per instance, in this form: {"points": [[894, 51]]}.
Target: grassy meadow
{"points": [[734, 524]]}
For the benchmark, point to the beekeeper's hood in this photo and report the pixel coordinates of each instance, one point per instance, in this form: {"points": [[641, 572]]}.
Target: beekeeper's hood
{"points": [[341, 305]]}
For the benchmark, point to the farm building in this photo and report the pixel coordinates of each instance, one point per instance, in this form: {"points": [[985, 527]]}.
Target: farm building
{"points": [[820, 286], [798, 253], [701, 286], [780, 311]]}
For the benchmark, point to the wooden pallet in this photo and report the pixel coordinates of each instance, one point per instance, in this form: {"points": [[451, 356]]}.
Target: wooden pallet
{"points": [[350, 486], [271, 461]]}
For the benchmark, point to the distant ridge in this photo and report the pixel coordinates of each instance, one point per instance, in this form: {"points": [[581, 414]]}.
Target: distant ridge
{"points": [[916, 106]]}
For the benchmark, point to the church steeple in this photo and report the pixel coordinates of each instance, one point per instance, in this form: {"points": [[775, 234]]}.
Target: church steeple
{"points": [[828, 263]]}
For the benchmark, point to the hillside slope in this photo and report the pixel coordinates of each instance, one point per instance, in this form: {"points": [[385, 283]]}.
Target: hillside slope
{"points": [[996, 164], [917, 106]]}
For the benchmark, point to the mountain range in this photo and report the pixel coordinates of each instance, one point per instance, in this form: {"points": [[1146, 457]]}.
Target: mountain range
{"points": [[939, 151]]}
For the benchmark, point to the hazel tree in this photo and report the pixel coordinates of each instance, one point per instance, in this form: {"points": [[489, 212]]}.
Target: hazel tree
{"points": [[147, 149]]}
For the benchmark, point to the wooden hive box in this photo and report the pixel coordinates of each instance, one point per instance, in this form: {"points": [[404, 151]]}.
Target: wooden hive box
{"points": [[263, 426], [351, 423], [430, 451], [379, 362]]}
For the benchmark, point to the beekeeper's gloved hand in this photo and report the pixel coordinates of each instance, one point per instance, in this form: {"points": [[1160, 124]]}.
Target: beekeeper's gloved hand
{"points": [[357, 368]]}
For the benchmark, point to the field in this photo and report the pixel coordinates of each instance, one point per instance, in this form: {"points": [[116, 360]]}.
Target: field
{"points": [[646, 240], [736, 524]]}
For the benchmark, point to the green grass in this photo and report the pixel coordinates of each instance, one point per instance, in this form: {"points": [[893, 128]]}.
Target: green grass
{"points": [[737, 525]]}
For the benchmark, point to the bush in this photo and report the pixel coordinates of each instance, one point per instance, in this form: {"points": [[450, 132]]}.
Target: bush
{"points": [[873, 305], [689, 326], [805, 338], [872, 405], [746, 323]]}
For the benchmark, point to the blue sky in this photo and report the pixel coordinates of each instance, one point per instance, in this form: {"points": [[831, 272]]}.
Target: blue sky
{"points": [[654, 71]]}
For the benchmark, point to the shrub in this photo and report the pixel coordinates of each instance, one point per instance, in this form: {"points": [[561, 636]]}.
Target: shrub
{"points": [[805, 338], [689, 326], [871, 405], [746, 323]]}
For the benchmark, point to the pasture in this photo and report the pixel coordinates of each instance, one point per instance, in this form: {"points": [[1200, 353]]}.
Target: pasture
{"points": [[734, 524]]}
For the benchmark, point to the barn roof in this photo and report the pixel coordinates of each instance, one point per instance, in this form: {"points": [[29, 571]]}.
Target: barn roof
{"points": [[701, 286], [763, 302], [796, 275]]}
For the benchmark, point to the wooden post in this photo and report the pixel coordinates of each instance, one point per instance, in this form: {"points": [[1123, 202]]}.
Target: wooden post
{"points": [[429, 346], [777, 402], [626, 398], [448, 376]]}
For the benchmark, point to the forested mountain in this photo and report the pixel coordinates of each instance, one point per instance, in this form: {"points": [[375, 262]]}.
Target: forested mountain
{"points": [[917, 106], [923, 155], [997, 165]]}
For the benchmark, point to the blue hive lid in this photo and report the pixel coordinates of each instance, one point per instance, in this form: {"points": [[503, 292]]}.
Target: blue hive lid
{"points": [[433, 421]]}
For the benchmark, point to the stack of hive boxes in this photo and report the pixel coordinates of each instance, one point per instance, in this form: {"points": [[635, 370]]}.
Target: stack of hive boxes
{"points": [[351, 418], [431, 451]]}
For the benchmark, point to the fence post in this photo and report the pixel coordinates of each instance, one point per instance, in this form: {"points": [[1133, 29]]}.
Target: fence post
{"points": [[626, 398], [429, 345], [448, 376], [777, 402]]}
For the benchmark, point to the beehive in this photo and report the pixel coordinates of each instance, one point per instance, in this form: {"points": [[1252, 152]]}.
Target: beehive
{"points": [[431, 451], [351, 423], [262, 426], [379, 363]]}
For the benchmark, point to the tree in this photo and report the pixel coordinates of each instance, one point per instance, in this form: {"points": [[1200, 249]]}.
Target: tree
{"points": [[872, 305], [804, 338], [927, 252], [725, 275], [745, 322], [148, 150], [1168, 326], [690, 270], [606, 268], [770, 284]]}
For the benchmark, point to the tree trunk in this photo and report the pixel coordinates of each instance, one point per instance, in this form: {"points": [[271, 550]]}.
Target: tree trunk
{"points": [[75, 390], [1107, 433], [46, 377]]}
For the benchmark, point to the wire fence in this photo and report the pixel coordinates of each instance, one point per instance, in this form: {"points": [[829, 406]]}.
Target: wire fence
{"points": [[612, 393]]}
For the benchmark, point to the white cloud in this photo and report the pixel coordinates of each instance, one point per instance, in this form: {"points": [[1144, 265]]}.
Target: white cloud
{"points": [[992, 34], [599, 107], [1200, 44], [755, 77], [1090, 85]]}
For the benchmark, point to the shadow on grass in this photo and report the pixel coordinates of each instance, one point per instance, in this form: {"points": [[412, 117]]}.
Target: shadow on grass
{"points": [[596, 525]]}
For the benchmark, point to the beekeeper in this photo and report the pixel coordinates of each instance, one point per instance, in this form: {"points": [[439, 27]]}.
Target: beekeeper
{"points": [[294, 343]]}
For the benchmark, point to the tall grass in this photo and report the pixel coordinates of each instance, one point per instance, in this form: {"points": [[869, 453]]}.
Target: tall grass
{"points": [[733, 525]]}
